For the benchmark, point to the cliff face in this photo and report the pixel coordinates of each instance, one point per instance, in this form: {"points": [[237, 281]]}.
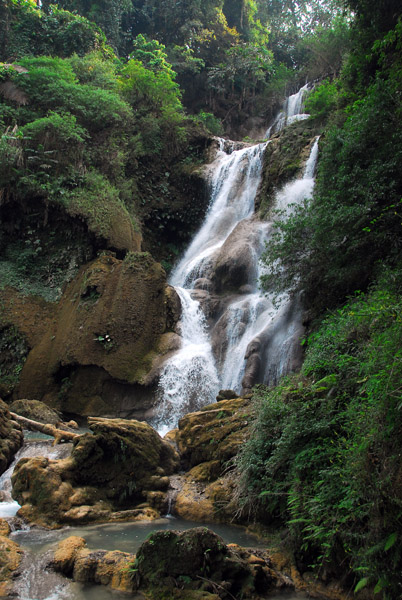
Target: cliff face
{"points": [[98, 354]]}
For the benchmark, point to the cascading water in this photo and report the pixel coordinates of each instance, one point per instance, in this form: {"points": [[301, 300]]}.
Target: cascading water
{"points": [[250, 338], [259, 329], [291, 112], [190, 379], [8, 506]]}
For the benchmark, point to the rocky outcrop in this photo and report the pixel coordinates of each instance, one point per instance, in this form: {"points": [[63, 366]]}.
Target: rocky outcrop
{"points": [[36, 410], [111, 328], [235, 265], [73, 559], [11, 437], [207, 440], [194, 564], [284, 159], [10, 559], [120, 472]]}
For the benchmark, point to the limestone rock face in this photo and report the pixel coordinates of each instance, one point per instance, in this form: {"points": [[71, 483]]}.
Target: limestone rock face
{"points": [[207, 440], [106, 335], [10, 559], [234, 263], [11, 437], [213, 433], [115, 469], [35, 410]]}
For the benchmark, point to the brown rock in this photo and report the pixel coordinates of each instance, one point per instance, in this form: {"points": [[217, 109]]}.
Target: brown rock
{"points": [[97, 356], [114, 470]]}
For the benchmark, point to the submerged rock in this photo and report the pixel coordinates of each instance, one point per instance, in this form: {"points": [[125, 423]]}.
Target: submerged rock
{"points": [[112, 474]]}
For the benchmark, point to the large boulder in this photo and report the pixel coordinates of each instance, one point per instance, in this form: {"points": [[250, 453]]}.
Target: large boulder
{"points": [[110, 329], [207, 441], [121, 471], [199, 559], [35, 410], [234, 264]]}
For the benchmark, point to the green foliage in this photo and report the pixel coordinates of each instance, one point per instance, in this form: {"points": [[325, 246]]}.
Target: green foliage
{"points": [[353, 221], [13, 352], [324, 452], [29, 31], [212, 123], [322, 101]]}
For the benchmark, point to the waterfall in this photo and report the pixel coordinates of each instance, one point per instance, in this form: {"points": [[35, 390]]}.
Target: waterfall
{"points": [[260, 329], [235, 178], [189, 379], [291, 112], [248, 338]]}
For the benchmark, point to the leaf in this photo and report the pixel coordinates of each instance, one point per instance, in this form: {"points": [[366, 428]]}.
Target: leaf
{"points": [[362, 583], [390, 541]]}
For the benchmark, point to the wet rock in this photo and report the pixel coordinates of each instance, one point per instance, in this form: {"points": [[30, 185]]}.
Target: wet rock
{"points": [[10, 560], [235, 262], [113, 470], [11, 437], [214, 433], [204, 502], [226, 395], [35, 410], [203, 283], [198, 559], [111, 568]]}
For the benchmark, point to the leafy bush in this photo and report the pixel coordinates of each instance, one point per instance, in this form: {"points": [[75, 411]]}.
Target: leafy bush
{"points": [[324, 451], [322, 101]]}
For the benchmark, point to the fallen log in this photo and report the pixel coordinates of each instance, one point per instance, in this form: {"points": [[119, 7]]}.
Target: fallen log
{"points": [[59, 434]]}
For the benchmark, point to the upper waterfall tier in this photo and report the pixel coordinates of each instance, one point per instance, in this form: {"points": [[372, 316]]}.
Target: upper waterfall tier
{"points": [[292, 110], [234, 180]]}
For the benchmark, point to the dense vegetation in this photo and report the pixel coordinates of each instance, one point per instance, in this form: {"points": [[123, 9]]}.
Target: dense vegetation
{"points": [[324, 454], [105, 109]]}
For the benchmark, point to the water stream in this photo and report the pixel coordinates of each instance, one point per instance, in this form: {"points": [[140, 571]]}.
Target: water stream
{"points": [[233, 335], [230, 338]]}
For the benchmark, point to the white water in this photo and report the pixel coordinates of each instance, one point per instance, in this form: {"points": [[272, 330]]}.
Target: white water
{"points": [[235, 178], [252, 339], [291, 112], [256, 321], [8, 506], [189, 380]]}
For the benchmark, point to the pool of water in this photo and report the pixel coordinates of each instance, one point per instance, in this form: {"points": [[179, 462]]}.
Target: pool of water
{"points": [[38, 582]]}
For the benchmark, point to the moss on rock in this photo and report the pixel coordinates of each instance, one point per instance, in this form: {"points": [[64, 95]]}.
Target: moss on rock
{"points": [[11, 437], [110, 319], [284, 159], [112, 470]]}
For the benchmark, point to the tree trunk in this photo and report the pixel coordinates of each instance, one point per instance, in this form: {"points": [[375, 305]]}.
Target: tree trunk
{"points": [[59, 434]]}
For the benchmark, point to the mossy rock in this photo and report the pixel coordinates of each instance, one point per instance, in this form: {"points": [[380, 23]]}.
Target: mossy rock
{"points": [[196, 559], [11, 437], [215, 433], [35, 410], [112, 470], [284, 159], [111, 319]]}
